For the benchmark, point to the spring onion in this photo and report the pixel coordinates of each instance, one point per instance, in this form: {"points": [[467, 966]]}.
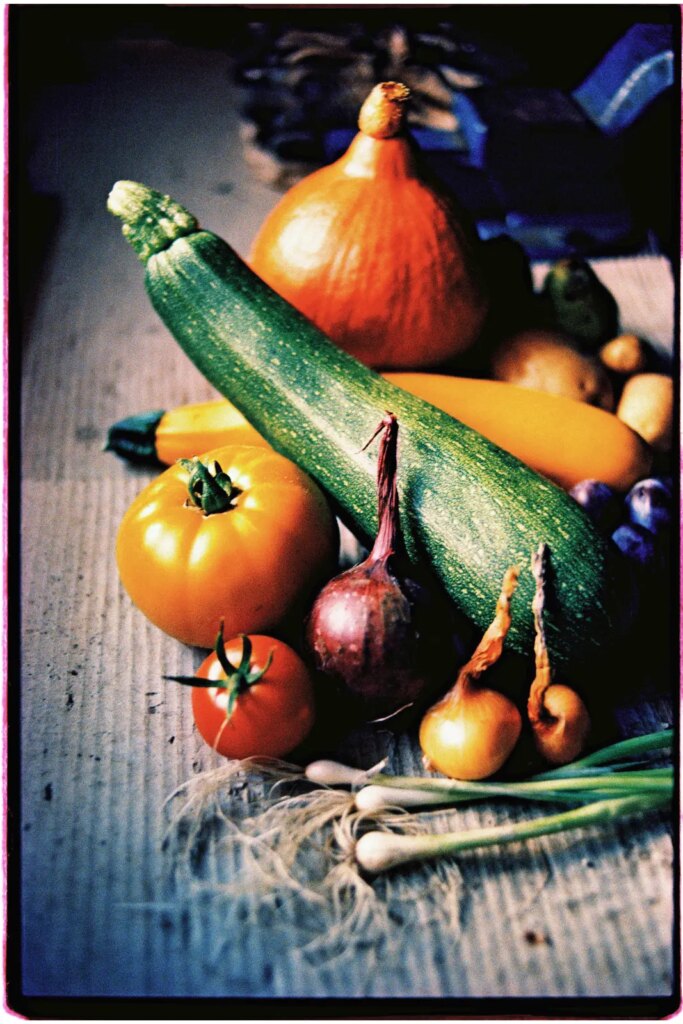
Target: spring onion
{"points": [[379, 851], [598, 776], [633, 747]]}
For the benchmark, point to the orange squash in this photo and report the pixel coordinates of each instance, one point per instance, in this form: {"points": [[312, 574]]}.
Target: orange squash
{"points": [[374, 253]]}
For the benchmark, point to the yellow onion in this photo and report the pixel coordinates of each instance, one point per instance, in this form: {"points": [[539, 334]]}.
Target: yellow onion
{"points": [[562, 727], [471, 732]]}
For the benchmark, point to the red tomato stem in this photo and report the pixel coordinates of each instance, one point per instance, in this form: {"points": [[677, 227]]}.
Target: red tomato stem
{"points": [[238, 678]]}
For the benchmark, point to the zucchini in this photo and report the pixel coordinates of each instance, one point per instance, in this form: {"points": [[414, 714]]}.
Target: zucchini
{"points": [[469, 510]]}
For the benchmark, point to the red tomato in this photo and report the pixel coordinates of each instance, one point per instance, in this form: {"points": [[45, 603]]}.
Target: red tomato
{"points": [[263, 703]]}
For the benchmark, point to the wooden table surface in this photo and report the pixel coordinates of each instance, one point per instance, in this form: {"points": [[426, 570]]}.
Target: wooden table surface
{"points": [[583, 916]]}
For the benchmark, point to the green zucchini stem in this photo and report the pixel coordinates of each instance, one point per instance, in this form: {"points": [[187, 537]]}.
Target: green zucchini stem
{"points": [[151, 220]]}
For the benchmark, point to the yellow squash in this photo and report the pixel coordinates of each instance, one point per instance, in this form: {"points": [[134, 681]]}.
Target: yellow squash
{"points": [[565, 440]]}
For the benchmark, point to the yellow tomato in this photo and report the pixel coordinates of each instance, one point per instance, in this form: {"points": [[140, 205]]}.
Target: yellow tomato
{"points": [[240, 536]]}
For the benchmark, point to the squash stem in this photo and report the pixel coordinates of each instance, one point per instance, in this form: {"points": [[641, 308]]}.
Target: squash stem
{"points": [[151, 220], [134, 438], [381, 116]]}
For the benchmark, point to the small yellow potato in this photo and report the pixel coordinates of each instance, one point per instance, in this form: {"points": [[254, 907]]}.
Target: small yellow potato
{"points": [[546, 361], [625, 354], [647, 406]]}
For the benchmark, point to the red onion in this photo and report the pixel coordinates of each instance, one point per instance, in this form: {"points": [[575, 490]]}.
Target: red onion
{"points": [[375, 631]]}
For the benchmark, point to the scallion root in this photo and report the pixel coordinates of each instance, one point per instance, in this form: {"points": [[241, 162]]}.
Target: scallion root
{"points": [[265, 858], [313, 860]]}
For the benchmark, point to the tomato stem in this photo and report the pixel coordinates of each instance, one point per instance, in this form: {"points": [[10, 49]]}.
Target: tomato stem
{"points": [[238, 678], [209, 488]]}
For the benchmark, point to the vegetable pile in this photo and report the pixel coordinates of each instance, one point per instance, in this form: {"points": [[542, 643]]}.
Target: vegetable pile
{"points": [[507, 517], [316, 405]]}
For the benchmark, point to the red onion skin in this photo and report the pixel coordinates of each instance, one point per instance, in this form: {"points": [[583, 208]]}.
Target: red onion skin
{"points": [[379, 635], [382, 638]]}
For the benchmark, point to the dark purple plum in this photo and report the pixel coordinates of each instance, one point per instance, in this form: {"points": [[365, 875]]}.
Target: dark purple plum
{"points": [[600, 502], [650, 503], [638, 545]]}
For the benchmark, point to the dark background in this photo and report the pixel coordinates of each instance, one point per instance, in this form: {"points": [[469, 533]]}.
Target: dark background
{"points": [[561, 43], [547, 45]]}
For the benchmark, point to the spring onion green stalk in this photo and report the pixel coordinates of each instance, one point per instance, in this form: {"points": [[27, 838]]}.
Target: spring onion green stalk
{"points": [[607, 759], [379, 798], [596, 777], [379, 851], [634, 747], [653, 778], [402, 791]]}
